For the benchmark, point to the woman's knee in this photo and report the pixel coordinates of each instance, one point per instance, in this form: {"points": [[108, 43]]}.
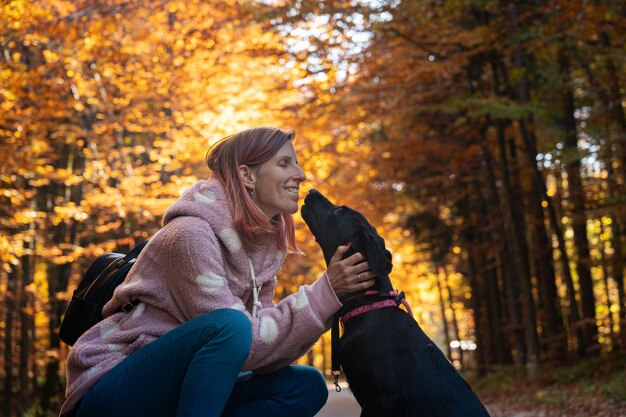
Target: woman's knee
{"points": [[231, 327], [313, 385]]}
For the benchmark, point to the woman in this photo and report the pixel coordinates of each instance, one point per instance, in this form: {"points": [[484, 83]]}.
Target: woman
{"points": [[197, 307]]}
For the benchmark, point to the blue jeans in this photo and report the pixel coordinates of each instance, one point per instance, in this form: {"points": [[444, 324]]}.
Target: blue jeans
{"points": [[194, 370]]}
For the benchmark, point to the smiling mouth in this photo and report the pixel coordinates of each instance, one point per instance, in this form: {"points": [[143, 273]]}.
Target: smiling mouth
{"points": [[292, 190]]}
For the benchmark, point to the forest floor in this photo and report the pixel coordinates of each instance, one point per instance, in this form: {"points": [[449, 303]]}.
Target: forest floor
{"points": [[590, 388]]}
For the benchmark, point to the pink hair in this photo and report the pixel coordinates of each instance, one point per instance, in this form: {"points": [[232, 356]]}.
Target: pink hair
{"points": [[251, 147]]}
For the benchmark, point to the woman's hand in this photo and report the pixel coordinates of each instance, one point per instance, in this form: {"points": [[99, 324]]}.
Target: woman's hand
{"points": [[349, 275]]}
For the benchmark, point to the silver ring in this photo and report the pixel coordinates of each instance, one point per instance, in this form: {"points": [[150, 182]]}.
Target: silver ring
{"points": [[358, 277]]}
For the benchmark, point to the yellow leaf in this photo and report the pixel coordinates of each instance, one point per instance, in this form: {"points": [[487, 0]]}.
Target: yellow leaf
{"points": [[50, 56]]}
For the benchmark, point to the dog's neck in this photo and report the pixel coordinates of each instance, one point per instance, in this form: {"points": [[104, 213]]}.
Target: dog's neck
{"points": [[382, 286], [363, 298]]}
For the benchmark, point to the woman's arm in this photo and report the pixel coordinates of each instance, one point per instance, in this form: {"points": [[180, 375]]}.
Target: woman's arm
{"points": [[195, 275]]}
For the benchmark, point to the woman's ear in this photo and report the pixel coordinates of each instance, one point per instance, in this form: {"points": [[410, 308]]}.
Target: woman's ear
{"points": [[248, 176]]}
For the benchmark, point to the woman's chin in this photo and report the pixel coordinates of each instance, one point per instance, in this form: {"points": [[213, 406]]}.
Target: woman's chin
{"points": [[286, 210], [293, 209]]}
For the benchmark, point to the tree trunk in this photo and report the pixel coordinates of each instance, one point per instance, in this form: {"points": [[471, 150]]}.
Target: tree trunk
{"points": [[474, 260], [8, 403], [455, 322], [58, 277], [513, 216], [617, 232], [490, 296], [58, 280], [442, 305], [616, 108], [618, 275], [512, 277], [493, 310], [578, 214], [554, 338], [555, 211], [481, 368], [27, 322], [498, 319], [607, 292], [553, 333]]}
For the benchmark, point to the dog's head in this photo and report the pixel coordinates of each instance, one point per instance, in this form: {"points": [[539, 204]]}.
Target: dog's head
{"points": [[334, 226]]}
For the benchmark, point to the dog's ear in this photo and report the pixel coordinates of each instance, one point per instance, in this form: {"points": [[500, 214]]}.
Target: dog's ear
{"points": [[378, 256]]}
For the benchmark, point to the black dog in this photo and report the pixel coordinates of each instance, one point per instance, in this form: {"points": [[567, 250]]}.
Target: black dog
{"points": [[392, 367]]}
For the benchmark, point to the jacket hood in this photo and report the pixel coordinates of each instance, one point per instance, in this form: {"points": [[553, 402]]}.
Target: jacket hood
{"points": [[206, 200]]}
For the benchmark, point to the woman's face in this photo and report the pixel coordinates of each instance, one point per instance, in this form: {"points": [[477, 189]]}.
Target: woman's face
{"points": [[277, 182]]}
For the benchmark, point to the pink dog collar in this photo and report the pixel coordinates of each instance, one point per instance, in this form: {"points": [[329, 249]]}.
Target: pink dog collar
{"points": [[370, 307], [375, 306]]}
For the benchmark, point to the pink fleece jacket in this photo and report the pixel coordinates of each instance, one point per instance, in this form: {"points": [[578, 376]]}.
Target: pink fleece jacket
{"points": [[194, 264]]}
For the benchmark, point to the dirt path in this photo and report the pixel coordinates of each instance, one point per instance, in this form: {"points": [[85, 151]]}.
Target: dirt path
{"points": [[340, 404]]}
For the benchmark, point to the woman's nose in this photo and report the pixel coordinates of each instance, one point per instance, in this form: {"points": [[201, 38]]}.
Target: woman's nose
{"points": [[299, 175]]}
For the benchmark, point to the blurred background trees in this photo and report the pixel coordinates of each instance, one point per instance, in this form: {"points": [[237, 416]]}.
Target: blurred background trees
{"points": [[484, 139]]}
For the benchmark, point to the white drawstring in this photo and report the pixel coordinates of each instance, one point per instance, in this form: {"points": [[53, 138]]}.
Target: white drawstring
{"points": [[255, 291]]}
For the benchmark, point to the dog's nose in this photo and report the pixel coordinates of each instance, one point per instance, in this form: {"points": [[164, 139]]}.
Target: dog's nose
{"points": [[312, 192], [317, 198]]}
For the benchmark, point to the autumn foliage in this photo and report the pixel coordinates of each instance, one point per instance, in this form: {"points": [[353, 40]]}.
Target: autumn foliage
{"points": [[486, 140]]}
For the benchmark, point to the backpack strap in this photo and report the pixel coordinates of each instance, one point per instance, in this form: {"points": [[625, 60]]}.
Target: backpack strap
{"points": [[130, 257], [133, 254]]}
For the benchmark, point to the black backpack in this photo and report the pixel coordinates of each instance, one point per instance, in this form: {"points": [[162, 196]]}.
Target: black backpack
{"points": [[94, 290]]}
